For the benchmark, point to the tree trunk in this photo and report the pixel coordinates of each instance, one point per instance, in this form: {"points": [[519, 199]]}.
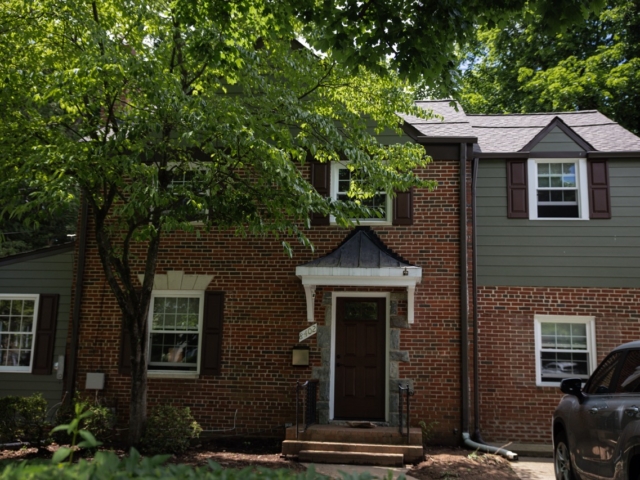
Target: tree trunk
{"points": [[138, 404]]}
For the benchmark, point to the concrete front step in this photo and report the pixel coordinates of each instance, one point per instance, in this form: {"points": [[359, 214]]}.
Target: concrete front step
{"points": [[410, 453], [344, 434], [352, 458]]}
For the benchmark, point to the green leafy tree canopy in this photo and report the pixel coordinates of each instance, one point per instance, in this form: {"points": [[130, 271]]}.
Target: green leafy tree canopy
{"points": [[594, 64]]}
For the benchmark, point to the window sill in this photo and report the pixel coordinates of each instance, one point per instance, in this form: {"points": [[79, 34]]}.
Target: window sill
{"points": [[370, 223], [559, 219], [183, 375]]}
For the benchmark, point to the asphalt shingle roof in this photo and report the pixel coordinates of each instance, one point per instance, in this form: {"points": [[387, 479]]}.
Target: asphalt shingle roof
{"points": [[511, 132]]}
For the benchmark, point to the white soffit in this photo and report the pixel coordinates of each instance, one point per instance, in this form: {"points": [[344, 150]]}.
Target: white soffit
{"points": [[394, 277], [177, 280]]}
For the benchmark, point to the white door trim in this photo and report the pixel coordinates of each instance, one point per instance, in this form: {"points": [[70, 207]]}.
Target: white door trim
{"points": [[332, 357]]}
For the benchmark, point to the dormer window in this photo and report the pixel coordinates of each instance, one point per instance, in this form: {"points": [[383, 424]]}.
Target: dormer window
{"points": [[558, 189]]}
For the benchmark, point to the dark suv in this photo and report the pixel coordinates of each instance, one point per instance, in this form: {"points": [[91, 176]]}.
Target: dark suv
{"points": [[596, 429]]}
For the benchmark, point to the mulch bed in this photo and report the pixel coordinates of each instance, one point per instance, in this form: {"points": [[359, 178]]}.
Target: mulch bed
{"points": [[441, 463]]}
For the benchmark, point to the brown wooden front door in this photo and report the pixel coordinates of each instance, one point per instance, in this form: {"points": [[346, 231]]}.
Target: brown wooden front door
{"points": [[360, 358]]}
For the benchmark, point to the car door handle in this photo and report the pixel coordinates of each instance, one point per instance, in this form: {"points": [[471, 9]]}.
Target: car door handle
{"points": [[633, 411]]}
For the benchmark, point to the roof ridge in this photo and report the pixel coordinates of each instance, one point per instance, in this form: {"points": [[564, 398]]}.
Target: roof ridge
{"points": [[579, 112]]}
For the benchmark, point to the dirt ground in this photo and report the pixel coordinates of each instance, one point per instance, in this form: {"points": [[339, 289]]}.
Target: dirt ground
{"points": [[440, 463]]}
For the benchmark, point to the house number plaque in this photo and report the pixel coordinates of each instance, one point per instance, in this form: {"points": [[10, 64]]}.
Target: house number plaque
{"points": [[307, 332]]}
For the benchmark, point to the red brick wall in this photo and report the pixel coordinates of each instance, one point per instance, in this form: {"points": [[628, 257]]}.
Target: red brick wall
{"points": [[265, 309], [512, 407]]}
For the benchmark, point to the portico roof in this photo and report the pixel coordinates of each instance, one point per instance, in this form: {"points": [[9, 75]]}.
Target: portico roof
{"points": [[362, 259]]}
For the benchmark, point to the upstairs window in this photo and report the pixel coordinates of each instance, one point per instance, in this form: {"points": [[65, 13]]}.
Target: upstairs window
{"points": [[341, 183], [558, 189]]}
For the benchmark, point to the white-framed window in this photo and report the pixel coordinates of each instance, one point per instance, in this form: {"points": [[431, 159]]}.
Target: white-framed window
{"points": [[558, 189], [175, 331], [18, 318], [340, 184], [565, 348]]}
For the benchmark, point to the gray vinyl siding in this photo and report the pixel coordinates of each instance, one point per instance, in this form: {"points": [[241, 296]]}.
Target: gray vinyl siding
{"points": [[570, 253], [52, 274], [556, 141]]}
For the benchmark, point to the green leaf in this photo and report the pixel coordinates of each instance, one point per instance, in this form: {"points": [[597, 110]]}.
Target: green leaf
{"points": [[61, 455]]}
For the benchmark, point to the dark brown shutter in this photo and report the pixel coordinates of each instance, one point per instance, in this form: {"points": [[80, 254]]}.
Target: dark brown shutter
{"points": [[212, 333], [45, 334], [403, 208], [321, 181], [517, 197], [124, 365], [599, 198]]}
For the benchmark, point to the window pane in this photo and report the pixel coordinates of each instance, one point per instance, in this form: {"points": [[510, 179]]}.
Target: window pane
{"points": [[25, 358], [5, 307], [558, 365], [181, 322], [194, 306], [543, 169], [174, 351], [183, 305], [192, 321], [158, 305], [544, 196], [569, 195], [16, 307], [555, 168], [170, 305], [556, 195], [27, 324], [556, 181], [569, 168], [563, 336], [568, 181], [543, 182], [361, 310], [27, 308]]}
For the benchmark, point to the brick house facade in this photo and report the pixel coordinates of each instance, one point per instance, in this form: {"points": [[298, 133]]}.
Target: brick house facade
{"points": [[429, 332]]}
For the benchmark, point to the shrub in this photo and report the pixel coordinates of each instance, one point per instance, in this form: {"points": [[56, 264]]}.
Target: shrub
{"points": [[24, 419], [169, 430], [101, 421]]}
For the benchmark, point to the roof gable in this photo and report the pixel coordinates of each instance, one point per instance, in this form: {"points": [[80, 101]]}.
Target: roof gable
{"points": [[557, 137]]}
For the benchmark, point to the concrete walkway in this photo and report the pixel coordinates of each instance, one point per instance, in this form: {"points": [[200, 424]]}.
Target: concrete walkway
{"points": [[534, 468], [527, 468], [334, 471]]}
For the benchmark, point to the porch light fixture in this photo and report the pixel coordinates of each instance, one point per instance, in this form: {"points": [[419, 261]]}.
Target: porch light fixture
{"points": [[300, 356]]}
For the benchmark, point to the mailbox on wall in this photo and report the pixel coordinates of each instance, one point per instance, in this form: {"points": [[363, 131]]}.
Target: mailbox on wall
{"points": [[300, 356]]}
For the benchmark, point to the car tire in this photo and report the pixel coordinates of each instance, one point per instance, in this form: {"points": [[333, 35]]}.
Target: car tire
{"points": [[562, 459]]}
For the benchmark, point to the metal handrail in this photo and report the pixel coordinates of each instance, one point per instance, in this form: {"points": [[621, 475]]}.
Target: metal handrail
{"points": [[309, 389], [406, 390]]}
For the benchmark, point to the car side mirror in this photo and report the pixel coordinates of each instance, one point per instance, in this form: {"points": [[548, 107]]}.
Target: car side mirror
{"points": [[572, 386]]}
